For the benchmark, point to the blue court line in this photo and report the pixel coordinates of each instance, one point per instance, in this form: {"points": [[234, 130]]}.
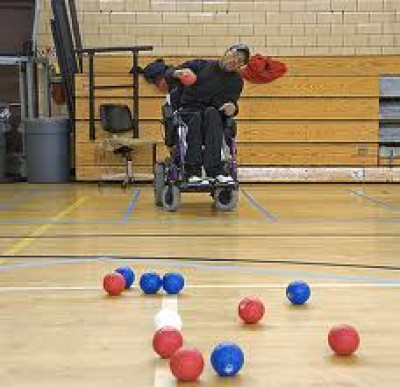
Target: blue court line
{"points": [[45, 264], [321, 221], [36, 221], [17, 200], [27, 222], [29, 188], [237, 269], [132, 204], [222, 222], [376, 201], [249, 270], [259, 206]]}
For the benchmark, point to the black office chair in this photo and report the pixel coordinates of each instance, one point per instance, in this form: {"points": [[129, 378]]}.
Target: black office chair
{"points": [[117, 119]]}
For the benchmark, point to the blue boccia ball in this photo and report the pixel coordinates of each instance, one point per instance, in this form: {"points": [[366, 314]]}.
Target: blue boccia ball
{"points": [[150, 283], [298, 292], [173, 283], [227, 359], [128, 274]]}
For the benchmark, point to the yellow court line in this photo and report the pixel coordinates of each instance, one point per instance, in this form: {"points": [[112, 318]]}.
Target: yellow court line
{"points": [[42, 229]]}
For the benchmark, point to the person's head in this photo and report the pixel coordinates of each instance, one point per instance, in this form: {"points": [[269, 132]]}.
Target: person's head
{"points": [[235, 57]]}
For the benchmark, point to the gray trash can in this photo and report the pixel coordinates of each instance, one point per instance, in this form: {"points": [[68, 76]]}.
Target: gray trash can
{"points": [[47, 142]]}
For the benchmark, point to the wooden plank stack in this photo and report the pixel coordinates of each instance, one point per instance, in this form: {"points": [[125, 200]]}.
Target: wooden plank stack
{"points": [[323, 114]]}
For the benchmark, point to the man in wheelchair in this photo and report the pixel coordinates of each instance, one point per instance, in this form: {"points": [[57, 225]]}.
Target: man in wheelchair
{"points": [[206, 92]]}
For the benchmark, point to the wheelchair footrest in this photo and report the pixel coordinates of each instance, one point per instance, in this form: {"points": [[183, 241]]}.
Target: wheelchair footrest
{"points": [[210, 187]]}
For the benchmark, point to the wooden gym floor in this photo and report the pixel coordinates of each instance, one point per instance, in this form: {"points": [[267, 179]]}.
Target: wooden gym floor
{"points": [[57, 328]]}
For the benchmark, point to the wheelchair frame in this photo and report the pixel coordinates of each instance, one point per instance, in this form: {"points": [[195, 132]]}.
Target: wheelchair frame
{"points": [[169, 176]]}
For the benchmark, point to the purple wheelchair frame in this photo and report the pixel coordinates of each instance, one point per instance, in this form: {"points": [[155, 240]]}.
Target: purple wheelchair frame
{"points": [[177, 172]]}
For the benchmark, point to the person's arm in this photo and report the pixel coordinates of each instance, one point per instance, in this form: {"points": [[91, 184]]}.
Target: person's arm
{"points": [[173, 78], [191, 67], [232, 94]]}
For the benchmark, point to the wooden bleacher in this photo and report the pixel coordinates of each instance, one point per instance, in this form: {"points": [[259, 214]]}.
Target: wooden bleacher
{"points": [[323, 114]]}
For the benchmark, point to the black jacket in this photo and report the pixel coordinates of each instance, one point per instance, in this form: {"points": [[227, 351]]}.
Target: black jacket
{"points": [[213, 86]]}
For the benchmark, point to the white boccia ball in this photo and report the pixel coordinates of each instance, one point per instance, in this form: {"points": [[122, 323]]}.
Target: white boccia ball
{"points": [[167, 317]]}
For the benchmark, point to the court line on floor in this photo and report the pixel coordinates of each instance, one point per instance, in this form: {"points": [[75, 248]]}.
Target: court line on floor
{"points": [[200, 260], [179, 260], [286, 273], [24, 242], [65, 188], [17, 200], [45, 264], [205, 235], [376, 201], [218, 222], [32, 222], [258, 206], [134, 221], [131, 207], [237, 269], [327, 285]]}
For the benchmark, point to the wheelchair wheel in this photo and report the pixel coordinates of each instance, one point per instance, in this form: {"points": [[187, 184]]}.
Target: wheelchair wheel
{"points": [[171, 198], [225, 199], [159, 183]]}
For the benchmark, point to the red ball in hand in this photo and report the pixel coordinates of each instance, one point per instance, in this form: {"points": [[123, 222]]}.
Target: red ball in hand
{"points": [[188, 79]]}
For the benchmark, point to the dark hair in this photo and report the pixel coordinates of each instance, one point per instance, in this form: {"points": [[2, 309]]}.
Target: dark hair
{"points": [[241, 47]]}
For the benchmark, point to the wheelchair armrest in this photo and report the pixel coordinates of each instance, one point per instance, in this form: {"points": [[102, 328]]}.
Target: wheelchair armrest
{"points": [[96, 50], [169, 123], [167, 111]]}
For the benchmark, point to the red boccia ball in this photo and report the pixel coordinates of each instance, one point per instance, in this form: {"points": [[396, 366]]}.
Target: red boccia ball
{"points": [[343, 339], [188, 79], [167, 341], [251, 310], [187, 364], [114, 284]]}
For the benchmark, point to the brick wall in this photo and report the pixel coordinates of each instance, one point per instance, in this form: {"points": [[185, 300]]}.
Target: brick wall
{"points": [[206, 27]]}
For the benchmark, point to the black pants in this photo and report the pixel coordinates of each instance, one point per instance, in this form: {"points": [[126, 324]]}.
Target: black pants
{"points": [[205, 127]]}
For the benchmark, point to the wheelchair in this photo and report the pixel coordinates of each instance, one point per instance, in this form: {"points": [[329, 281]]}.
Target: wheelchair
{"points": [[169, 175]]}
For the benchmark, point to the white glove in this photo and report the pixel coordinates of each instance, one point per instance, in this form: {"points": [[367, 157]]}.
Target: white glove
{"points": [[179, 73], [228, 108]]}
